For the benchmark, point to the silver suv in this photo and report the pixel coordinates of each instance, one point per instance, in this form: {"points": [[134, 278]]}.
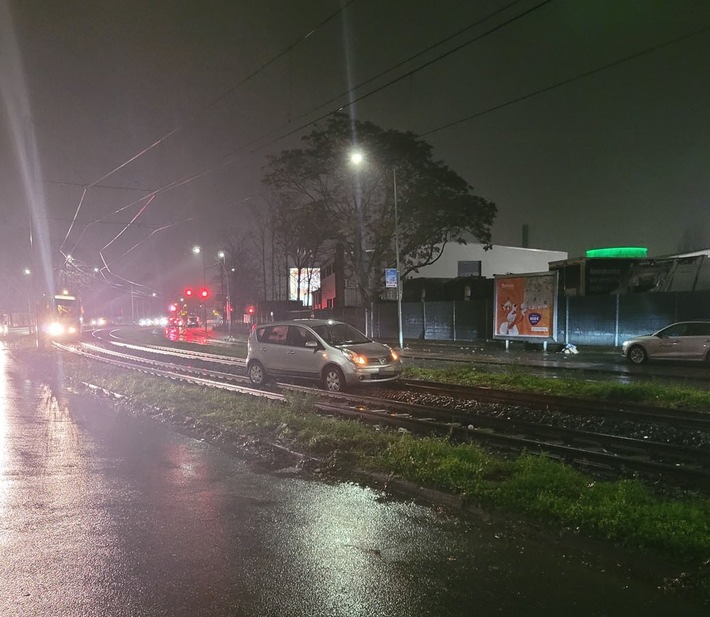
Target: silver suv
{"points": [[332, 352]]}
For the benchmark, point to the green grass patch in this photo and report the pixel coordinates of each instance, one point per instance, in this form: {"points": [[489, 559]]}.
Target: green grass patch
{"points": [[650, 393]]}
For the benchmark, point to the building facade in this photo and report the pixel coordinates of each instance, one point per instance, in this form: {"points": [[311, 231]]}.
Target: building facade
{"points": [[458, 261]]}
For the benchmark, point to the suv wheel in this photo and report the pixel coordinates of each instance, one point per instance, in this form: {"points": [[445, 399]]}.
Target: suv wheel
{"points": [[637, 354], [257, 373], [333, 379]]}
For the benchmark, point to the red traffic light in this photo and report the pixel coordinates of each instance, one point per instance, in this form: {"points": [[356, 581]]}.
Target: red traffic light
{"points": [[189, 293], [204, 293], [251, 309]]}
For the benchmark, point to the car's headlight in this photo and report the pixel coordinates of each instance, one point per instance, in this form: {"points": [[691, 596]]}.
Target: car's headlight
{"points": [[355, 358], [55, 329]]}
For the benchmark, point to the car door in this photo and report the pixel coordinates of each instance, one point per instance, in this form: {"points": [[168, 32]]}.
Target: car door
{"points": [[694, 345], [272, 348], [302, 360], [672, 341]]}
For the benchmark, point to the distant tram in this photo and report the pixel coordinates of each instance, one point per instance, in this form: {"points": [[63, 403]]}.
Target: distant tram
{"points": [[63, 317]]}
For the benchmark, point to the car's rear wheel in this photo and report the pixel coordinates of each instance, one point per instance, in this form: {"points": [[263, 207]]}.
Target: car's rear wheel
{"points": [[637, 355], [333, 379], [257, 373]]}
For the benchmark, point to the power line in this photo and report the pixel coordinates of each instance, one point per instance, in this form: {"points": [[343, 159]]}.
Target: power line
{"points": [[404, 62], [200, 110], [227, 158], [568, 80], [410, 73]]}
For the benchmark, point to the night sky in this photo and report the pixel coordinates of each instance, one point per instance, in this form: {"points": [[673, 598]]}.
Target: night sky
{"points": [[587, 120]]}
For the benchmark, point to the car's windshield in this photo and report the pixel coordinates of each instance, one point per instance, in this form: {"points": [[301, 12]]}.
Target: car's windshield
{"points": [[340, 334]]}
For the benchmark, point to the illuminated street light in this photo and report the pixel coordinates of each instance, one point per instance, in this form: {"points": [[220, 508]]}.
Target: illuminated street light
{"points": [[357, 158], [197, 250], [32, 318]]}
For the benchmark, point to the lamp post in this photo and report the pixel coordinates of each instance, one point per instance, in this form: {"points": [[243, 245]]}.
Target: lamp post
{"points": [[197, 250], [396, 253], [32, 320], [228, 304], [357, 158]]}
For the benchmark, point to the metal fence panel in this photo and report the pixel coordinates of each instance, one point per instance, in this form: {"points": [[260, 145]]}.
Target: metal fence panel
{"points": [[591, 320], [582, 320]]}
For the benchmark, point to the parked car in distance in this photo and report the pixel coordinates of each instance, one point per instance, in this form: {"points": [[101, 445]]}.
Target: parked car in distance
{"points": [[331, 352], [685, 340]]}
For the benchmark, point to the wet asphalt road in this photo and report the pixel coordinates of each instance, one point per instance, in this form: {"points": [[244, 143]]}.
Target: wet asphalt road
{"points": [[107, 514]]}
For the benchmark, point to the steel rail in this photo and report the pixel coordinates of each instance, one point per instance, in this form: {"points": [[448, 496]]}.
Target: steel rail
{"points": [[676, 417]]}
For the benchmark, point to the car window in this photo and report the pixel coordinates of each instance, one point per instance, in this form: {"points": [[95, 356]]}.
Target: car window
{"points": [[698, 329], [341, 334], [272, 334], [298, 336], [679, 329]]}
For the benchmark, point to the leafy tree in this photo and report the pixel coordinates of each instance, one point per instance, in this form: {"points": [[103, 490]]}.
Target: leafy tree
{"points": [[355, 205]]}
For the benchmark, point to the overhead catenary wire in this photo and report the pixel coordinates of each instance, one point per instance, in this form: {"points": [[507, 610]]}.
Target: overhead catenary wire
{"points": [[226, 160], [282, 53], [209, 105]]}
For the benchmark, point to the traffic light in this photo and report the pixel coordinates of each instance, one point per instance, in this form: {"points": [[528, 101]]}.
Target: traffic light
{"points": [[189, 292], [204, 293], [250, 310]]}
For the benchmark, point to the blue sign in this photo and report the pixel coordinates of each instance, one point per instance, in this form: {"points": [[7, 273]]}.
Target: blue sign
{"points": [[391, 277]]}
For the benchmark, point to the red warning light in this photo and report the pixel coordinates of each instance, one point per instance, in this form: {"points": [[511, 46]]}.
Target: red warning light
{"points": [[204, 293], [189, 293]]}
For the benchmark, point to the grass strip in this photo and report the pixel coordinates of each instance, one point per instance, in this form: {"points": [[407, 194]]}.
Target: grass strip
{"points": [[651, 393]]}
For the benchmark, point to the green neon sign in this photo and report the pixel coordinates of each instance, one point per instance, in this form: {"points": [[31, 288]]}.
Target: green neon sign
{"points": [[619, 251]]}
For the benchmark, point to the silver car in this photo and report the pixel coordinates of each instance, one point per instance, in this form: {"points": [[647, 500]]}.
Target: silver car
{"points": [[685, 340], [331, 352]]}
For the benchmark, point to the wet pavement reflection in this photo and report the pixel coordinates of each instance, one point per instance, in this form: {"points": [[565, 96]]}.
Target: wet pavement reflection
{"points": [[107, 513]]}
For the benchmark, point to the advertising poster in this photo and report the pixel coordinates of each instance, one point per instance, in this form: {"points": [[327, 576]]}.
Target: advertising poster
{"points": [[526, 306], [301, 287]]}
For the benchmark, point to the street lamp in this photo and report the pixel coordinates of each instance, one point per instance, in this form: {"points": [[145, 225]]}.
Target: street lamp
{"points": [[32, 320], [197, 250], [396, 253], [228, 303], [357, 158]]}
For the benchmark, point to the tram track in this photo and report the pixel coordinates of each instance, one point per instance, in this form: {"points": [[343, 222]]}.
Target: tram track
{"points": [[486, 421]]}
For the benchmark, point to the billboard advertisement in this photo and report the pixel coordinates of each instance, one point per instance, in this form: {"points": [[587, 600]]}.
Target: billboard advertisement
{"points": [[526, 306], [302, 284]]}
